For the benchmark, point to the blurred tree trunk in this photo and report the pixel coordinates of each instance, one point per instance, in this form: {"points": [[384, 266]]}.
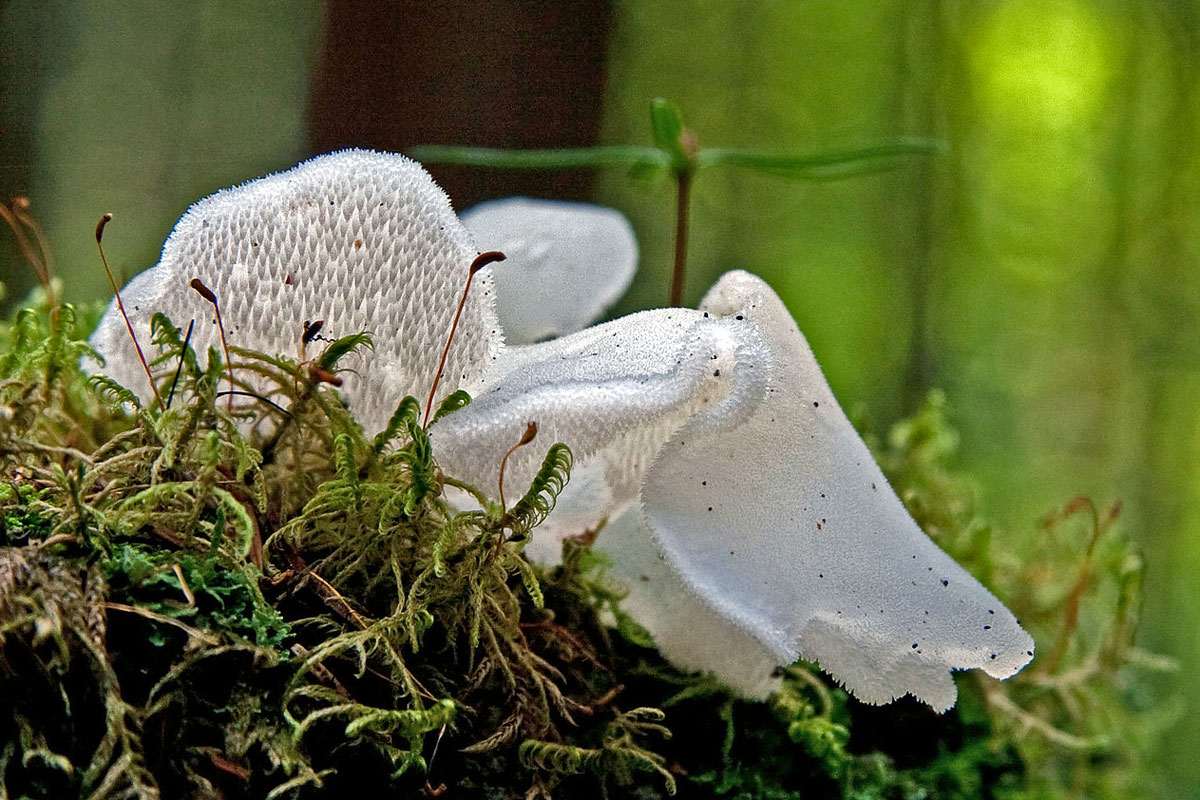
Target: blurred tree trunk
{"points": [[496, 73]]}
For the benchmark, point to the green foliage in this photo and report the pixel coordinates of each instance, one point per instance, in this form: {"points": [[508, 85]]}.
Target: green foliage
{"points": [[830, 165], [675, 150], [666, 122], [295, 610], [617, 758], [405, 416], [633, 157], [197, 587]]}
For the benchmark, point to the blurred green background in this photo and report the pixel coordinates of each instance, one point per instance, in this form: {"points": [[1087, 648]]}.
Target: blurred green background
{"points": [[1044, 271]]}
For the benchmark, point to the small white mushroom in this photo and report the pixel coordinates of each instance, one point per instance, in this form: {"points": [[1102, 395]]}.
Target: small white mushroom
{"points": [[749, 520]]}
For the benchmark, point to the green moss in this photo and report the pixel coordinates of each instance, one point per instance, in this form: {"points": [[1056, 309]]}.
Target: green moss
{"points": [[263, 602]]}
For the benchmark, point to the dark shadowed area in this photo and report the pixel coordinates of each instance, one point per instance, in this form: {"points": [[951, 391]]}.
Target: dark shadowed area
{"points": [[500, 73]]}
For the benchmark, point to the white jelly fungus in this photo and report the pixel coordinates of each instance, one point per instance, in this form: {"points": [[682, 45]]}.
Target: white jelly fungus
{"points": [[747, 517]]}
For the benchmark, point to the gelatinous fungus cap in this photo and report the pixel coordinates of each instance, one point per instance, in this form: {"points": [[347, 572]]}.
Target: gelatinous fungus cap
{"points": [[569, 262], [747, 517]]}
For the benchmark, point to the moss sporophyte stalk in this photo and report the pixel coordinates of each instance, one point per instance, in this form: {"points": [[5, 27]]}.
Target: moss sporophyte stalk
{"points": [[266, 576]]}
